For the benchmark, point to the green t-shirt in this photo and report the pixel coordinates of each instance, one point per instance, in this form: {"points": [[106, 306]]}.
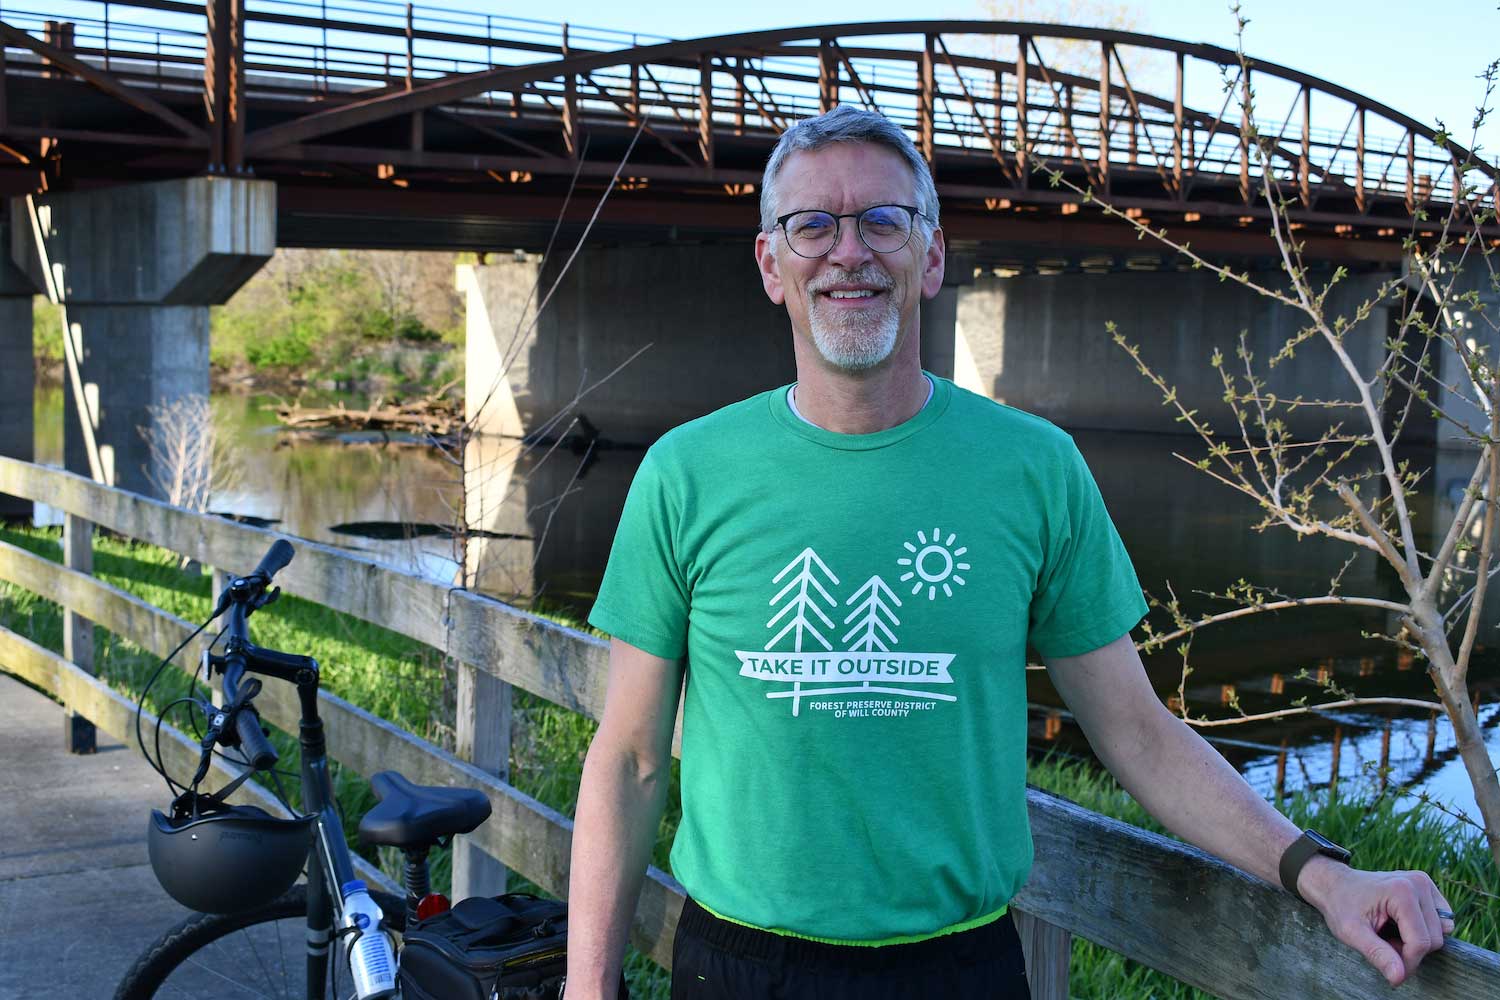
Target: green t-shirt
{"points": [[855, 612]]}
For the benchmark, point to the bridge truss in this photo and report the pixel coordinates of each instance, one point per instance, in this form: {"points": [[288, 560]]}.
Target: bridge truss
{"points": [[370, 105]]}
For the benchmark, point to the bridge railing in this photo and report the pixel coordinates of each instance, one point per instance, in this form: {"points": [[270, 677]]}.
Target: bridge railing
{"points": [[1154, 900], [985, 95]]}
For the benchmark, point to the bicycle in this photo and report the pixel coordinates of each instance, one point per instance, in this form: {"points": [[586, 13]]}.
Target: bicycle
{"points": [[252, 950]]}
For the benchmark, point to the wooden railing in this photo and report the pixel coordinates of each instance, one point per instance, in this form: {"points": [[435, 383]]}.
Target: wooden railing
{"points": [[1154, 900]]}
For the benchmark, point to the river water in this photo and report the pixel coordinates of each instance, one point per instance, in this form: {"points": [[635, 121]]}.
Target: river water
{"points": [[1186, 534]]}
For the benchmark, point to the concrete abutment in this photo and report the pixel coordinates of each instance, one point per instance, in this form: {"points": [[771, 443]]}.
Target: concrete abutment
{"points": [[1041, 343], [138, 267]]}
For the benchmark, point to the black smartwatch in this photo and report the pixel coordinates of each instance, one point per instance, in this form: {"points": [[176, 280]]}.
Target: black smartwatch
{"points": [[1303, 849]]}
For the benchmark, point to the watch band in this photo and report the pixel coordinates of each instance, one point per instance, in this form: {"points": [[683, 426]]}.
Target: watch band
{"points": [[1303, 850]]}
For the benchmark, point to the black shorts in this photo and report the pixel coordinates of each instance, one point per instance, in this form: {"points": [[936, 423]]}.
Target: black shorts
{"points": [[714, 959]]}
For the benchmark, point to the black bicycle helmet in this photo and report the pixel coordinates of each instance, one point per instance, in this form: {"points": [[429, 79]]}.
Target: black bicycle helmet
{"points": [[218, 858]]}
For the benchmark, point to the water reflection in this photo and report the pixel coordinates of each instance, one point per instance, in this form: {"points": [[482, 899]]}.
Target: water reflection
{"points": [[546, 518]]}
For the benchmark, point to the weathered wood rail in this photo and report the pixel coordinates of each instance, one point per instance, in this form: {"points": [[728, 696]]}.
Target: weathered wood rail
{"points": [[1154, 900]]}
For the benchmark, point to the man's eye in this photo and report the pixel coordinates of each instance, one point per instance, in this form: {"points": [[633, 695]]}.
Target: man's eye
{"points": [[811, 226]]}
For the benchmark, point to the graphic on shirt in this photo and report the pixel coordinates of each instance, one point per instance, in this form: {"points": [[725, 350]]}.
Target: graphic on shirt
{"points": [[870, 662], [934, 564]]}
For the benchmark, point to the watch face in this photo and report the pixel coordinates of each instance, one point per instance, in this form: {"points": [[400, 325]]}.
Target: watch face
{"points": [[1326, 846]]}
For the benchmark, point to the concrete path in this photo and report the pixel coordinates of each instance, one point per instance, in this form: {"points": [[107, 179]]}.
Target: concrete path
{"points": [[78, 901]]}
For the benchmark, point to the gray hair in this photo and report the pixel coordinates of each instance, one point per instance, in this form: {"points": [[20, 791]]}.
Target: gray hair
{"points": [[847, 123]]}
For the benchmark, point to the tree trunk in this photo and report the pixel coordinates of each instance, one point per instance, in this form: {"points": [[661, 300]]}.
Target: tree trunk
{"points": [[1471, 748]]}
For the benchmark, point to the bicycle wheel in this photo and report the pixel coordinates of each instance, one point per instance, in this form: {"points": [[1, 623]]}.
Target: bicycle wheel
{"points": [[261, 953]]}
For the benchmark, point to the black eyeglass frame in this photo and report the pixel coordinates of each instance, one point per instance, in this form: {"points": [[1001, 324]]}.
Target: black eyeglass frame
{"points": [[913, 211]]}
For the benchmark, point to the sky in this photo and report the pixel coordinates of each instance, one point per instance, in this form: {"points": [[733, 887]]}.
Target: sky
{"points": [[1378, 48]]}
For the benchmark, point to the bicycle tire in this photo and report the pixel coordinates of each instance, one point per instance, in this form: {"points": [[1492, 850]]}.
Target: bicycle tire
{"points": [[224, 955]]}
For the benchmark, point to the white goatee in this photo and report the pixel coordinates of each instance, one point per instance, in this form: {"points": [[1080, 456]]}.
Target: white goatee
{"points": [[849, 339]]}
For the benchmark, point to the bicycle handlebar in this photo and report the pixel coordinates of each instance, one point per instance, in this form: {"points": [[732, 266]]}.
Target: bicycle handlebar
{"points": [[244, 596], [275, 559]]}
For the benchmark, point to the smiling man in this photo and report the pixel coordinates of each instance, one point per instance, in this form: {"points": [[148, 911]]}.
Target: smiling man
{"points": [[852, 629]]}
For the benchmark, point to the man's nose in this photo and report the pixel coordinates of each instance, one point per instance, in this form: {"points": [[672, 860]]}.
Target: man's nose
{"points": [[849, 251]]}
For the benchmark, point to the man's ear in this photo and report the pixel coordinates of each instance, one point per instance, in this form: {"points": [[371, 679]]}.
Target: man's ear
{"points": [[932, 272], [770, 274]]}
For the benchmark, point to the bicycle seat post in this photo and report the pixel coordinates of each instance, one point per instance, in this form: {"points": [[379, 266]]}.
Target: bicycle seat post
{"points": [[416, 879]]}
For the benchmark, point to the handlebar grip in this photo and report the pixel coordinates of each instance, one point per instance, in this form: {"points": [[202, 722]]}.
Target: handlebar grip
{"points": [[253, 743], [276, 558]]}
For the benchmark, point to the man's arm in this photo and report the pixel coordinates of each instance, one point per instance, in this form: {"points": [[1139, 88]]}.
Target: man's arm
{"points": [[1195, 793], [620, 802]]}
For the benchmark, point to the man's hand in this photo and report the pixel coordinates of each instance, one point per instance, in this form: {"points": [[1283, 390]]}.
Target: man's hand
{"points": [[1390, 918]]}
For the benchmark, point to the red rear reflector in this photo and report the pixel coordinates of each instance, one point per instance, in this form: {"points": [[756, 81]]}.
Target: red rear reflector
{"points": [[432, 904]]}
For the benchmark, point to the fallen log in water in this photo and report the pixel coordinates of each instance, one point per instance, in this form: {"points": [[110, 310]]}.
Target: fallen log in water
{"points": [[432, 416]]}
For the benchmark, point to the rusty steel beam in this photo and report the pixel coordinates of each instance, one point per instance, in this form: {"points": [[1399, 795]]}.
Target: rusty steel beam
{"points": [[1177, 128], [1023, 101], [216, 78], [479, 163], [926, 103], [1091, 172], [570, 104], [828, 77], [1245, 125], [1140, 118], [996, 146], [859, 85], [666, 143], [706, 110], [103, 81], [234, 129], [322, 122], [1359, 165], [105, 136], [1304, 191], [1105, 126], [1411, 172]]}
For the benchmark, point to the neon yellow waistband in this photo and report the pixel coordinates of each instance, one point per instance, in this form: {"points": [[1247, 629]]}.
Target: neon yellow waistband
{"points": [[966, 925]]}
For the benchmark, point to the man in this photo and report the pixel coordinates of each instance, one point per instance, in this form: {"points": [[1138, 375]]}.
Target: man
{"points": [[852, 568]]}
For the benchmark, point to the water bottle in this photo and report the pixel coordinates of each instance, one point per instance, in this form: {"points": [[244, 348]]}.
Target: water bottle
{"points": [[370, 959]]}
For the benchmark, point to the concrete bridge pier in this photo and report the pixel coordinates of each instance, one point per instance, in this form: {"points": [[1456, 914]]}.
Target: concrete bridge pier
{"points": [[17, 395], [138, 267], [1040, 343]]}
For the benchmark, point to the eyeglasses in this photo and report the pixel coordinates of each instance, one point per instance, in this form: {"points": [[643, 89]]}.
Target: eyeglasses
{"points": [[882, 228]]}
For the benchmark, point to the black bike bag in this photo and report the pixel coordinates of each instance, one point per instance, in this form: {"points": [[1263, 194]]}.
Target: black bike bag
{"points": [[510, 947]]}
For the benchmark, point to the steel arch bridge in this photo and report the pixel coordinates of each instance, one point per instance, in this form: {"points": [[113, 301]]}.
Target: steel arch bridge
{"points": [[390, 109]]}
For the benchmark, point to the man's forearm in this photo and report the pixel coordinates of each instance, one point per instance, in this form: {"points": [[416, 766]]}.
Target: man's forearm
{"points": [[619, 807], [1198, 795]]}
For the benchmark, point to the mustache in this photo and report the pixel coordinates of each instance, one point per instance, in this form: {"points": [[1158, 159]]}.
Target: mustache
{"points": [[868, 275]]}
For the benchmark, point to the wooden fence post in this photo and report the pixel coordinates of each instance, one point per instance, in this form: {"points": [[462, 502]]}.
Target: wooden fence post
{"points": [[78, 632], [1047, 948], [218, 579], [483, 739]]}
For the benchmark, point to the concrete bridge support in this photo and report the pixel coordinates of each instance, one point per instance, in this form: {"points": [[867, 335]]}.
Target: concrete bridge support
{"points": [[138, 268], [1039, 342], [17, 397]]}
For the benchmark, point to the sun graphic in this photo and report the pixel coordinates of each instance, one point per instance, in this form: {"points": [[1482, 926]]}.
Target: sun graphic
{"points": [[934, 564]]}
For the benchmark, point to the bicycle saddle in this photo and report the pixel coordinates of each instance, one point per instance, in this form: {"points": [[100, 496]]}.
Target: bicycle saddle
{"points": [[414, 816]]}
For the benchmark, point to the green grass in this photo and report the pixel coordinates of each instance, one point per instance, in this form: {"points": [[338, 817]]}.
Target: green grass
{"points": [[411, 685]]}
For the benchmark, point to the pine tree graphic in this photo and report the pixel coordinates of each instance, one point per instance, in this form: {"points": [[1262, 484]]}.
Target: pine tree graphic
{"points": [[871, 617], [803, 591]]}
